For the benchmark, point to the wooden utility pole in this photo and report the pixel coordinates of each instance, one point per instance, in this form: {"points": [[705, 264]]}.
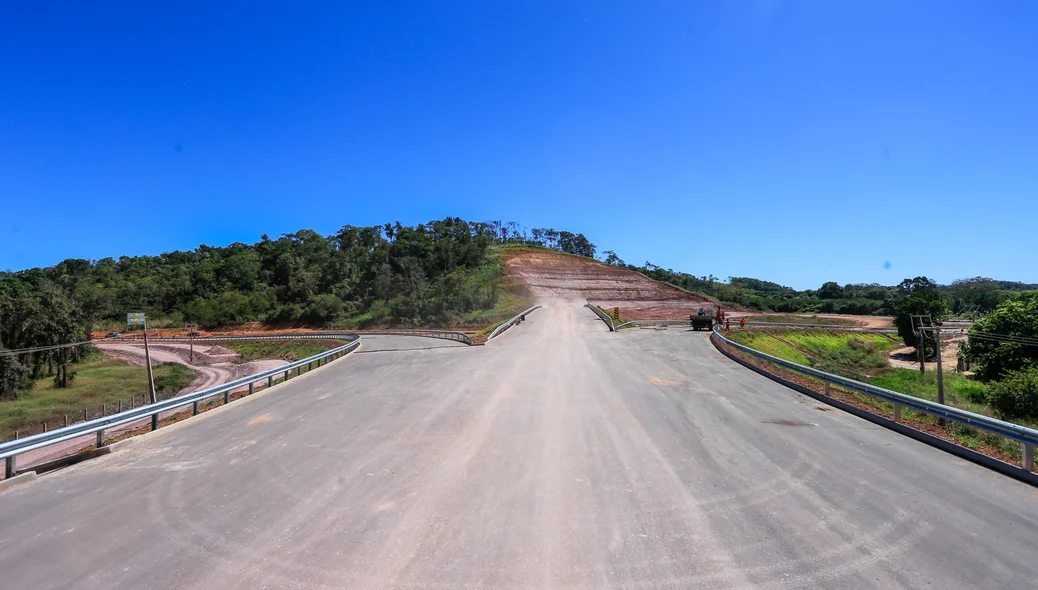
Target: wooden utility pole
{"points": [[147, 358], [940, 372]]}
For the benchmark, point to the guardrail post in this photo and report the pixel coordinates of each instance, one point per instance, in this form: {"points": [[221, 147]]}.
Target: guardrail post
{"points": [[270, 381], [227, 396], [897, 412], [251, 388], [1028, 458], [299, 371], [310, 366], [9, 469], [286, 375], [100, 438], [194, 408], [155, 421], [827, 389]]}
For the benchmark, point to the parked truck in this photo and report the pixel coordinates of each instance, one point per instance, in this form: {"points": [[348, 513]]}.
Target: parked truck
{"points": [[701, 320]]}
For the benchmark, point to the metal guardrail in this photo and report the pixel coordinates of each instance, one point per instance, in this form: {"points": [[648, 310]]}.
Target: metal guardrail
{"points": [[442, 334], [605, 316], [638, 323], [820, 327], [11, 449], [510, 323], [1027, 437]]}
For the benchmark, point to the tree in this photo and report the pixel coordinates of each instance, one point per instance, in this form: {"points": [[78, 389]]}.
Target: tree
{"points": [[612, 259], [1015, 318], [830, 290], [927, 302]]}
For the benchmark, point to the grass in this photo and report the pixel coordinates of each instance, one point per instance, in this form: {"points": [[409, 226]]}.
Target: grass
{"points": [[799, 319], [289, 350], [860, 356], [769, 345], [959, 391], [99, 381]]}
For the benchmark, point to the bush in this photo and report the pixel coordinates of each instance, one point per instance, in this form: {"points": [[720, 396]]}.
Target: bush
{"points": [[1018, 318], [323, 309], [1015, 396]]}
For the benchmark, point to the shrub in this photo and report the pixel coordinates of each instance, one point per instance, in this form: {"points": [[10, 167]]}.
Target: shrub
{"points": [[1016, 396]]}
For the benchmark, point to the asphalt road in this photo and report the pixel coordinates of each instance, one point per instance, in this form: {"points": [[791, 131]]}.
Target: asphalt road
{"points": [[559, 455]]}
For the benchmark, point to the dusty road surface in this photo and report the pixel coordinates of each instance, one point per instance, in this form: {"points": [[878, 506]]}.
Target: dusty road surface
{"points": [[558, 456], [556, 275]]}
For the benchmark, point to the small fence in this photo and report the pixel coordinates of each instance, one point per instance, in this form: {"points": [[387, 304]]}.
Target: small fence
{"points": [[10, 450]]}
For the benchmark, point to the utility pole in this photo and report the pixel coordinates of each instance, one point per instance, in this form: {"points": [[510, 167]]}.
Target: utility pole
{"points": [[920, 336], [940, 372], [147, 358], [191, 339], [138, 319]]}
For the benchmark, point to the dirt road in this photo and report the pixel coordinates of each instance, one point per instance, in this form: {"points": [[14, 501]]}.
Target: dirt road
{"points": [[550, 275], [558, 456]]}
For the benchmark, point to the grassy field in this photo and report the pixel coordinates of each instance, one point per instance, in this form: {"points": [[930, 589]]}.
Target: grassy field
{"points": [[289, 350], [799, 319], [770, 345], [853, 354], [100, 381], [848, 353]]}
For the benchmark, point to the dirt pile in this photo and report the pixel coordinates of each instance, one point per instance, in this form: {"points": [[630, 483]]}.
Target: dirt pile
{"points": [[553, 275]]}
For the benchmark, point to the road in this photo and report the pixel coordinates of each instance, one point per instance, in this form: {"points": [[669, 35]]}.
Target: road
{"points": [[209, 375], [557, 456]]}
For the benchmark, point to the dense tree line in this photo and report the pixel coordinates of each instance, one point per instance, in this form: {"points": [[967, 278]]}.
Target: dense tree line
{"points": [[973, 297], [436, 273]]}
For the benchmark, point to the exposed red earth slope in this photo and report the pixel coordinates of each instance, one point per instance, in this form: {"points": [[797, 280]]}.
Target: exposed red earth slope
{"points": [[554, 275]]}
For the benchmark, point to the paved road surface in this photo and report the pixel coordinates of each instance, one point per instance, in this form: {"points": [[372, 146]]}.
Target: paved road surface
{"points": [[559, 455], [208, 376]]}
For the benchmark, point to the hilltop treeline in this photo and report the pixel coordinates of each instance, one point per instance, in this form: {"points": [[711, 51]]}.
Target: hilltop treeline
{"points": [[966, 296], [433, 272], [441, 273]]}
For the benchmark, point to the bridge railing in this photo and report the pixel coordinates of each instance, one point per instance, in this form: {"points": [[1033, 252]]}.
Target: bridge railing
{"points": [[603, 315], [443, 334], [518, 318], [1027, 437], [10, 450]]}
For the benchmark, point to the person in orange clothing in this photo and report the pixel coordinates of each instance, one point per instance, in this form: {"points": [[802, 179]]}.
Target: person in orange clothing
{"points": [[728, 325], [742, 322]]}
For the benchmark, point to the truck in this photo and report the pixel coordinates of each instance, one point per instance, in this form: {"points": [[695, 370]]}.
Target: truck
{"points": [[701, 320]]}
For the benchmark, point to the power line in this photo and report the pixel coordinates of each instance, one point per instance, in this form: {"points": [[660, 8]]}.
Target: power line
{"points": [[21, 351], [1004, 339]]}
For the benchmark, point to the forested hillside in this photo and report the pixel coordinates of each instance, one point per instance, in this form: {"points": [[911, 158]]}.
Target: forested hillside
{"points": [[434, 273], [973, 296]]}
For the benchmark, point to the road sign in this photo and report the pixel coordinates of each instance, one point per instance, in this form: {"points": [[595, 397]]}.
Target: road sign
{"points": [[616, 314], [135, 319]]}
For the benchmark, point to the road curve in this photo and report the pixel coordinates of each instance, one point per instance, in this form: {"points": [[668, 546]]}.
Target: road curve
{"points": [[557, 456]]}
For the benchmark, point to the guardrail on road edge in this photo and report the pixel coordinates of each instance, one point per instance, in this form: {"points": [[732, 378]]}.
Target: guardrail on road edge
{"points": [[11, 449], [637, 323], [442, 334], [1027, 437], [605, 316], [510, 323]]}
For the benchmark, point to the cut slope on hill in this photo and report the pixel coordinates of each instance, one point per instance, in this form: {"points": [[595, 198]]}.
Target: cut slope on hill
{"points": [[554, 275]]}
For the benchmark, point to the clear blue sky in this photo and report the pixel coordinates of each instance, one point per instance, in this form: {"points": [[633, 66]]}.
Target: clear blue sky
{"points": [[831, 137]]}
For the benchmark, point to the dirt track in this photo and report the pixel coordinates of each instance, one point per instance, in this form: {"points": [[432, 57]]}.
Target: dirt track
{"points": [[214, 366], [553, 275]]}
